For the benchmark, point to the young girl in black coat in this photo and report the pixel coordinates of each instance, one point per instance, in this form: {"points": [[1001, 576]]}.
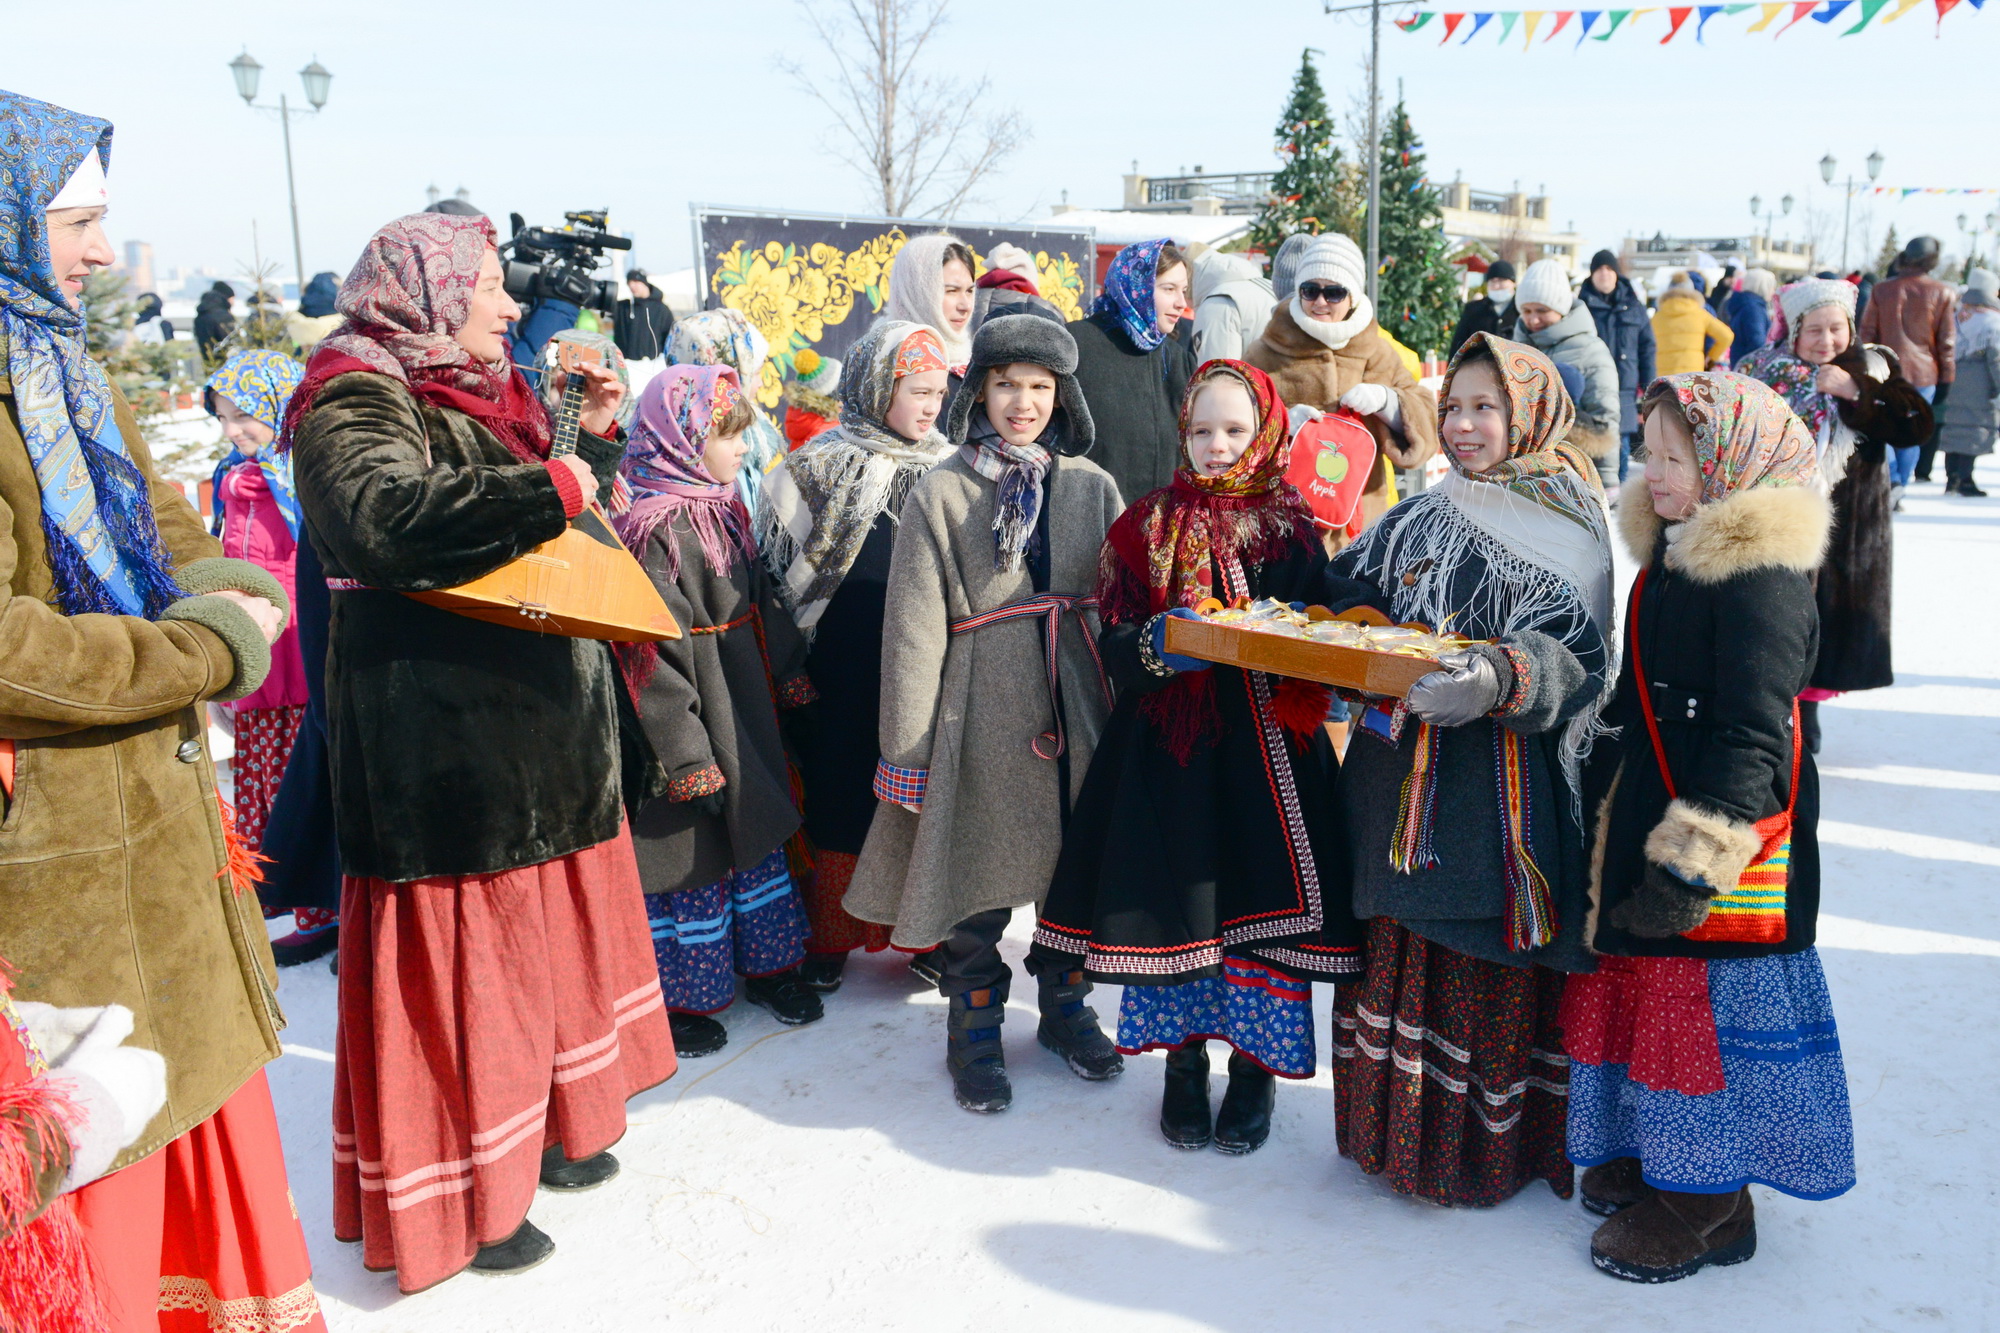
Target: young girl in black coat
{"points": [[1703, 1054], [1202, 868]]}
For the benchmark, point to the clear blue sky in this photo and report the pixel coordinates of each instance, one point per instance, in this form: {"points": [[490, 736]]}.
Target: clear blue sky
{"points": [[681, 101]]}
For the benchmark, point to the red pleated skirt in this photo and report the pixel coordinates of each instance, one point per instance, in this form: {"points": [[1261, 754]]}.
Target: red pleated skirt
{"points": [[202, 1236], [483, 1018]]}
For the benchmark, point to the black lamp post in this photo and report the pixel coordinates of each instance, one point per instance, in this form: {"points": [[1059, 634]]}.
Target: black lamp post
{"points": [[247, 72]]}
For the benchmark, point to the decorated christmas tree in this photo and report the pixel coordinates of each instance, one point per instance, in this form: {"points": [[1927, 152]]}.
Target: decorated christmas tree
{"points": [[1314, 190], [1419, 290]]}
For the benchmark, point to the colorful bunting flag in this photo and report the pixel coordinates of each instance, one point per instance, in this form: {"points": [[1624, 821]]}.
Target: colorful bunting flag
{"points": [[1823, 12]]}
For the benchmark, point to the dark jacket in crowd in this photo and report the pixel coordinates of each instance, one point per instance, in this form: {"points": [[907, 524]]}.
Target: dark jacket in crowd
{"points": [[1627, 330], [319, 297], [1483, 315], [641, 326], [1727, 632], [1749, 318], [457, 747], [213, 323], [1135, 401]]}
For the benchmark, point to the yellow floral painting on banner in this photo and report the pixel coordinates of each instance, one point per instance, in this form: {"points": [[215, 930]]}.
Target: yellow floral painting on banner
{"points": [[794, 292]]}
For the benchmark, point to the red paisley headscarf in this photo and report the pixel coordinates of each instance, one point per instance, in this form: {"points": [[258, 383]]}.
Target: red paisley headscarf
{"points": [[405, 298], [1162, 553]]}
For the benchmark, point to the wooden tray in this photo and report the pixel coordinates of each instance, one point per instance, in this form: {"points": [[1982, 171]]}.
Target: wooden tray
{"points": [[1282, 655]]}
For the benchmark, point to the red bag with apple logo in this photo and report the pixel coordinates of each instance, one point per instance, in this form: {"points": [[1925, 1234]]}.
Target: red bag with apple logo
{"points": [[1331, 462]]}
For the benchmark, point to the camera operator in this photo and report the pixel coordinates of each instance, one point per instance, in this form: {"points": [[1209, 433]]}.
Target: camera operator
{"points": [[549, 273], [643, 320]]}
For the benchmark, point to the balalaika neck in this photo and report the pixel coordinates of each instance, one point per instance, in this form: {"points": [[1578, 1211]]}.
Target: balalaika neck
{"points": [[568, 418]]}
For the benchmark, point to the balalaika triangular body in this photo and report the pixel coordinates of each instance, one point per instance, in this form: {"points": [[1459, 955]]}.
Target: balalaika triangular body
{"points": [[584, 584]]}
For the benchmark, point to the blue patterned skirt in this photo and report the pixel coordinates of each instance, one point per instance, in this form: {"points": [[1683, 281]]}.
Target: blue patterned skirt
{"points": [[1780, 1120], [1263, 1013], [748, 923]]}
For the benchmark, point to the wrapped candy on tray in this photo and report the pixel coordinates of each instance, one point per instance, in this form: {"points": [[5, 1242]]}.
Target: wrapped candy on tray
{"points": [[1357, 649]]}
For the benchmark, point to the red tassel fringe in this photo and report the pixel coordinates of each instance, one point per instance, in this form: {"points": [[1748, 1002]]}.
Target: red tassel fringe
{"points": [[245, 864], [46, 1282], [1300, 705]]}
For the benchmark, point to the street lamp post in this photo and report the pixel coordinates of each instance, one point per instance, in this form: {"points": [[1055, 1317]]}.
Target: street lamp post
{"points": [[246, 71], [1770, 219], [1826, 170]]}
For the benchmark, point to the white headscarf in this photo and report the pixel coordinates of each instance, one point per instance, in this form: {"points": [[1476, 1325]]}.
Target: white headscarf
{"points": [[916, 291]]}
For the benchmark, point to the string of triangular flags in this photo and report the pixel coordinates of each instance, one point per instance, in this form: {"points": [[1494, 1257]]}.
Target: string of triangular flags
{"points": [[1587, 21], [1905, 191]]}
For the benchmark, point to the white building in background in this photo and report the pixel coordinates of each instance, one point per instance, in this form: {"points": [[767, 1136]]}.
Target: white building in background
{"points": [[1509, 225], [1643, 257]]}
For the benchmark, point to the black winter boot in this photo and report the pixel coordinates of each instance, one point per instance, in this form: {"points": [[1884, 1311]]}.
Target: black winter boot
{"points": [[696, 1035], [1245, 1119], [973, 1052], [786, 995], [1184, 1113], [821, 971], [567, 1177], [1069, 1028], [528, 1246]]}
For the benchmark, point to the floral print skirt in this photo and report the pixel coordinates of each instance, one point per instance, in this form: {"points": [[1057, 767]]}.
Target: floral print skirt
{"points": [[1449, 1079], [748, 923], [264, 738], [1776, 1111], [833, 929], [1263, 1013]]}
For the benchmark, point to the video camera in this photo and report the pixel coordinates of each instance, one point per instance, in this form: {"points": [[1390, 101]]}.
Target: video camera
{"points": [[557, 263]]}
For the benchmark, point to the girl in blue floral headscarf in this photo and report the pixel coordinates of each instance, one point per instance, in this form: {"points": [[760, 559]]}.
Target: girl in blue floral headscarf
{"points": [[257, 517]]}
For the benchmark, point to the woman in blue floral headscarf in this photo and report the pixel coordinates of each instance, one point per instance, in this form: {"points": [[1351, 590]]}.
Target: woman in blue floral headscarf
{"points": [[257, 517], [118, 618], [1133, 369]]}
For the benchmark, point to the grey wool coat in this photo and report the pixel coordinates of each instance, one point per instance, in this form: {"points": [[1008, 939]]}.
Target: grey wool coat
{"points": [[710, 711], [970, 706]]}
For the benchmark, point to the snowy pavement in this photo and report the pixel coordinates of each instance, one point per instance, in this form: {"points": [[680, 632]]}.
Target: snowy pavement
{"points": [[821, 1178]]}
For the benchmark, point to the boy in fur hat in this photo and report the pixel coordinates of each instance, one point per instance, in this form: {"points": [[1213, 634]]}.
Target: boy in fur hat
{"points": [[993, 695]]}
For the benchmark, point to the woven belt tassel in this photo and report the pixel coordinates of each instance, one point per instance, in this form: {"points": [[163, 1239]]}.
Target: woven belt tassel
{"points": [[1531, 915], [1413, 848]]}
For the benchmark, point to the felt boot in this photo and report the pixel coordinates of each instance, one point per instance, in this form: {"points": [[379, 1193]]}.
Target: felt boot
{"points": [[821, 971], [1668, 1236], [1245, 1119], [973, 1053], [1612, 1186], [567, 1177], [303, 945], [1184, 1113], [528, 1246], [786, 995], [1069, 1028], [696, 1035]]}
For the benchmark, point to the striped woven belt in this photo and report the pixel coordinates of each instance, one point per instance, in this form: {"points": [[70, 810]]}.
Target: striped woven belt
{"points": [[1049, 608], [347, 585], [743, 619]]}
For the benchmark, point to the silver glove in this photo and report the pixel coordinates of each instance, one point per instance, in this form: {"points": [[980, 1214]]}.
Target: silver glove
{"points": [[1467, 689]]}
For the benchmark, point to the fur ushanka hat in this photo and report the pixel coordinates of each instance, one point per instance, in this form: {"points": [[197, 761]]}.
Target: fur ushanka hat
{"points": [[1037, 340]]}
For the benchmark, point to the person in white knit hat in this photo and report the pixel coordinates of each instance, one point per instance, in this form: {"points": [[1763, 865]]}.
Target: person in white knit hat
{"points": [[1324, 351], [1553, 321]]}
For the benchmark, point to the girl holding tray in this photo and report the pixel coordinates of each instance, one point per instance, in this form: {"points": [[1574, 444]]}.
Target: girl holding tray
{"points": [[1703, 1051], [1464, 802], [1202, 868]]}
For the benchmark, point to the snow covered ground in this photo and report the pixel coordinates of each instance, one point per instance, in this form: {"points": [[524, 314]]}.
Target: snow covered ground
{"points": [[821, 1178]]}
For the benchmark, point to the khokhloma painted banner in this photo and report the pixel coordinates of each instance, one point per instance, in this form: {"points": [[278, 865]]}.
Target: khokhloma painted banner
{"points": [[818, 280]]}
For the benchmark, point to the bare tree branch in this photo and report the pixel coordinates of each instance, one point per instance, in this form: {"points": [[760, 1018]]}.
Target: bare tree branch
{"points": [[921, 141]]}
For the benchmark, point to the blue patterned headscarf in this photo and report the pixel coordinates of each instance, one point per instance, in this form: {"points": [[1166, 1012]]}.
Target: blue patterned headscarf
{"points": [[1128, 293], [260, 382], [104, 545]]}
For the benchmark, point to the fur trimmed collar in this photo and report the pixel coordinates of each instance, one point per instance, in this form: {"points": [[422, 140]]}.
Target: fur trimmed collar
{"points": [[1785, 526], [1333, 334]]}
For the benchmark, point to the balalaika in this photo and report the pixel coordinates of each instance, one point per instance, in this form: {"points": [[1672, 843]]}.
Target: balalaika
{"points": [[584, 584]]}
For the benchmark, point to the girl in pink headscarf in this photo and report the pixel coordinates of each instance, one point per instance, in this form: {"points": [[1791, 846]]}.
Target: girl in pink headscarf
{"points": [[712, 850]]}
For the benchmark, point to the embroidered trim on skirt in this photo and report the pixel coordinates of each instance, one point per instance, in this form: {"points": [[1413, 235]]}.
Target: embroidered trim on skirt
{"points": [[1449, 1078], [748, 923], [1262, 1013], [201, 1236], [264, 738], [1781, 1117], [832, 929], [483, 1018]]}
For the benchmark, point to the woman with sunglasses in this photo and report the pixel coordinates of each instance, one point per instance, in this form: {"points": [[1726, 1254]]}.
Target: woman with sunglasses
{"points": [[1324, 350]]}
